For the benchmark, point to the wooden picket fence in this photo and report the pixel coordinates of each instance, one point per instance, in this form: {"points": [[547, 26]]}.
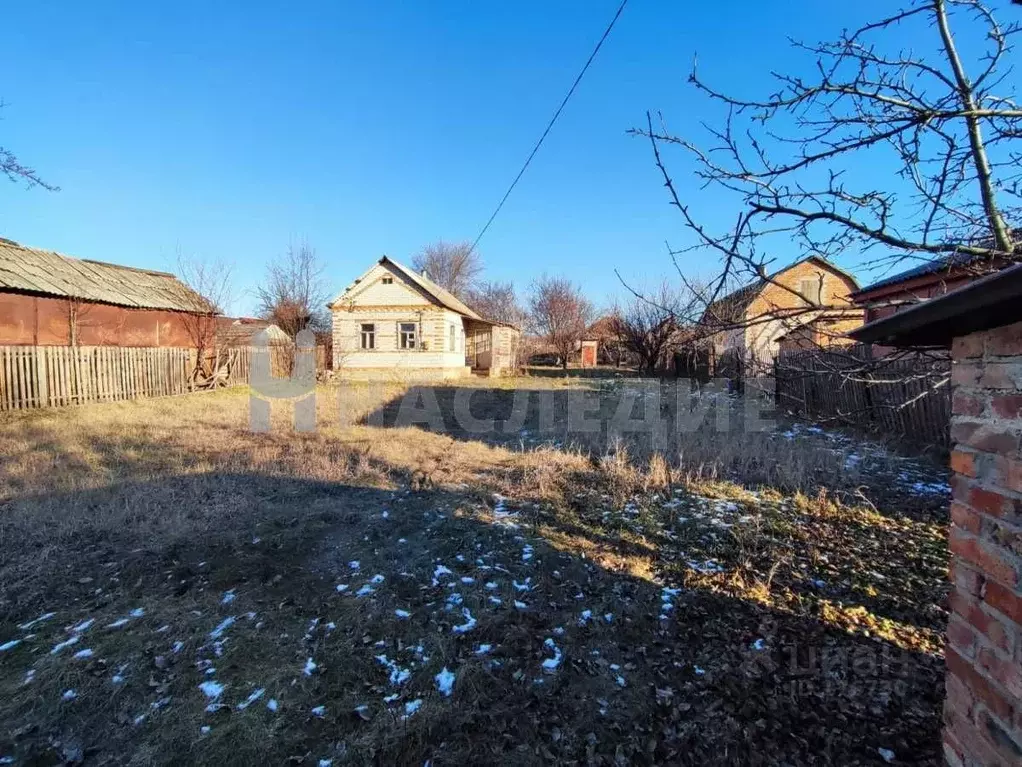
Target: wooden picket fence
{"points": [[908, 398], [55, 376], [51, 376]]}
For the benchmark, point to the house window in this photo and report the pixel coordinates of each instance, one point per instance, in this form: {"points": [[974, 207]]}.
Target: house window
{"points": [[387, 280], [454, 342], [368, 336], [407, 334], [810, 289]]}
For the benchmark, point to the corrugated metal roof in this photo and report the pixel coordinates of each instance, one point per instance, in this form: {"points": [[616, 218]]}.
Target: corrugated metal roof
{"points": [[944, 263], [31, 270]]}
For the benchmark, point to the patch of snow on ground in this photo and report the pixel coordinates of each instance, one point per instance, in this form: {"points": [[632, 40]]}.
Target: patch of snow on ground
{"points": [[310, 667], [9, 645], [40, 619], [256, 695], [82, 654], [468, 625], [61, 645], [225, 624], [550, 664], [69, 695], [211, 689], [397, 674], [445, 682]]}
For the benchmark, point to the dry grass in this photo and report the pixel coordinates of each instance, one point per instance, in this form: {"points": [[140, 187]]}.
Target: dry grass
{"points": [[168, 505]]}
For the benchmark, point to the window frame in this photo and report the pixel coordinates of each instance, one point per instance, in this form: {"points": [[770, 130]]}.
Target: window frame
{"points": [[815, 293], [454, 338], [387, 280], [367, 334], [407, 339]]}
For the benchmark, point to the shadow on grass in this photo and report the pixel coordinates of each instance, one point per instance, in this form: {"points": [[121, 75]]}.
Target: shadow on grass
{"points": [[636, 674]]}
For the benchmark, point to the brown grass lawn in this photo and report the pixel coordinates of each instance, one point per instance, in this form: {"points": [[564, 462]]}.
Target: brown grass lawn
{"points": [[175, 589]]}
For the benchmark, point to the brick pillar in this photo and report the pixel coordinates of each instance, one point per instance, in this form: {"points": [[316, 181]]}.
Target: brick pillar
{"points": [[983, 710]]}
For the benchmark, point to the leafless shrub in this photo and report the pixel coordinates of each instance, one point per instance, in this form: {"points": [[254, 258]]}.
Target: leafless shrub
{"points": [[560, 313], [294, 291]]}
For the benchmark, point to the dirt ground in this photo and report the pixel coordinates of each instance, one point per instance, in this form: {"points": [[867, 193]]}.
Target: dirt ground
{"points": [[177, 589]]}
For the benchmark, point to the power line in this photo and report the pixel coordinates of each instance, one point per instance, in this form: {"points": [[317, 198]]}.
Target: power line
{"points": [[550, 125]]}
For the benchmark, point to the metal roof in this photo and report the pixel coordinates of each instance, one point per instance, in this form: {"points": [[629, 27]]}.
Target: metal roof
{"points": [[944, 263], [45, 272], [988, 302]]}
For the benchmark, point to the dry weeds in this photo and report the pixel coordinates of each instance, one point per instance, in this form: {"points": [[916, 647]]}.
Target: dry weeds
{"points": [[734, 600]]}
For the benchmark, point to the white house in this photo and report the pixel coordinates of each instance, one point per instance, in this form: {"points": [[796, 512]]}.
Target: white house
{"points": [[395, 323]]}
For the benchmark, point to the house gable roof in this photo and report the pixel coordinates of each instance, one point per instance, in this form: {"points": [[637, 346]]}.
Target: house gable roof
{"points": [[732, 306], [46, 272], [430, 289]]}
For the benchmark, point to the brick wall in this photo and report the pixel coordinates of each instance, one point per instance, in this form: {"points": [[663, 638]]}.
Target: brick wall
{"points": [[983, 710]]}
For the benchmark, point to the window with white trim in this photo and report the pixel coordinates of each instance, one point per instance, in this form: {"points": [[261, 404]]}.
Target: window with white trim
{"points": [[387, 280], [368, 336], [406, 333]]}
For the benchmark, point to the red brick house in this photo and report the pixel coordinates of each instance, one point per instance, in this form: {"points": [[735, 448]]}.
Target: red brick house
{"points": [[49, 299], [981, 323]]}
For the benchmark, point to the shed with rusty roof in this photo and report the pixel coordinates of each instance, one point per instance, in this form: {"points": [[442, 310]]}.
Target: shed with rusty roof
{"points": [[47, 298]]}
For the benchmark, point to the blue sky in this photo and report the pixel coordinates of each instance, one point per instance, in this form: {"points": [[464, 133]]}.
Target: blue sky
{"points": [[370, 128]]}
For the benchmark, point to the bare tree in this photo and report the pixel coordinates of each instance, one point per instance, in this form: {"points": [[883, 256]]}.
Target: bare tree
{"points": [[938, 130], [560, 313], [294, 291], [210, 281], [497, 301], [649, 325], [11, 167], [453, 266]]}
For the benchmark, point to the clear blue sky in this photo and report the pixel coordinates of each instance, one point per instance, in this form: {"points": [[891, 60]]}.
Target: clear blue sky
{"points": [[373, 127]]}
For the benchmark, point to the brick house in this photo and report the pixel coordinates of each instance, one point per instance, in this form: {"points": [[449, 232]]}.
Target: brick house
{"points": [[982, 324], [393, 322], [49, 299], [749, 322]]}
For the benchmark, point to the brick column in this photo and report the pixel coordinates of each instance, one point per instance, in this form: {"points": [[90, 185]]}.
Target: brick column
{"points": [[983, 710]]}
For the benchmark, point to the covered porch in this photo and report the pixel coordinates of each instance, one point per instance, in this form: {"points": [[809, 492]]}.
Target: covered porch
{"points": [[490, 348]]}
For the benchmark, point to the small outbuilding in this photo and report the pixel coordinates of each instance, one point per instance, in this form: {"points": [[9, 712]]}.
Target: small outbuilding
{"points": [[49, 299], [981, 323]]}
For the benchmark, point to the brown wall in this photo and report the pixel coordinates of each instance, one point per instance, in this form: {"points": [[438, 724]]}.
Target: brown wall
{"points": [[983, 709], [45, 321], [760, 337]]}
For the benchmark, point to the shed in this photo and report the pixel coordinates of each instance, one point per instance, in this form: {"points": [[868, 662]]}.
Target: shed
{"points": [[47, 298], [982, 325]]}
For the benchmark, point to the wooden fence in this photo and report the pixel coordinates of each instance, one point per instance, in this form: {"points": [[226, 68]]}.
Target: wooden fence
{"points": [[907, 398], [49, 376], [54, 376]]}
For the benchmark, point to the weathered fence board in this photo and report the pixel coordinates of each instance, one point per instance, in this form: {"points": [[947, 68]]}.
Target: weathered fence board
{"points": [[908, 398], [54, 376]]}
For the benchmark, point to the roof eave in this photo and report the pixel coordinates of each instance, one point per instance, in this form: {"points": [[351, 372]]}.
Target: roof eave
{"points": [[988, 302]]}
